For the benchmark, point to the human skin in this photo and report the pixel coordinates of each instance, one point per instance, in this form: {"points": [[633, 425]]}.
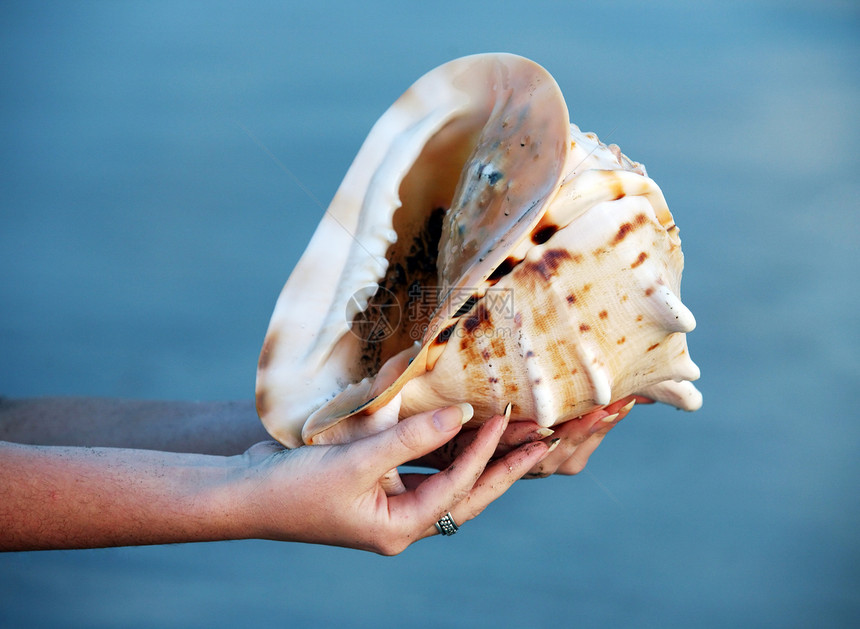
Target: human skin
{"points": [[98, 472], [80, 497]]}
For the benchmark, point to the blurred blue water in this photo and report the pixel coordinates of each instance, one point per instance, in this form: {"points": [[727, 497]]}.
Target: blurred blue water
{"points": [[145, 233]]}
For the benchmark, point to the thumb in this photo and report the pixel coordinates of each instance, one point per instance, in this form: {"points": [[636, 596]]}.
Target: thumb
{"points": [[413, 437]]}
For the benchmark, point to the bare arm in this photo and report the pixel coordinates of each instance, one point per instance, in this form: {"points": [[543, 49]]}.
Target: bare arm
{"points": [[348, 495], [172, 426], [69, 497]]}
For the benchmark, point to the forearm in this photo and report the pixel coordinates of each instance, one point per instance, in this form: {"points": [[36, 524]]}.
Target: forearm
{"points": [[345, 495], [61, 497], [202, 427]]}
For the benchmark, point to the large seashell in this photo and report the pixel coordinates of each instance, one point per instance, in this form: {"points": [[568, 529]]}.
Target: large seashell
{"points": [[480, 248]]}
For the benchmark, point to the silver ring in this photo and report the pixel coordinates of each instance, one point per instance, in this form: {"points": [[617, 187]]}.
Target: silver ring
{"points": [[447, 526]]}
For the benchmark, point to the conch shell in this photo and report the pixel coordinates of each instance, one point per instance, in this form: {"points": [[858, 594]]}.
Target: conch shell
{"points": [[480, 248]]}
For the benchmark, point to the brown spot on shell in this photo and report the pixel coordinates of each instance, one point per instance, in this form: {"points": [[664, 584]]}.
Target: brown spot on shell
{"points": [[269, 344], [584, 327], [639, 260], [627, 228], [649, 291], [654, 346], [571, 299], [617, 187], [622, 340], [493, 380], [543, 233], [603, 314], [503, 269], [548, 264], [481, 315], [554, 257], [498, 345], [485, 354], [467, 306], [262, 403]]}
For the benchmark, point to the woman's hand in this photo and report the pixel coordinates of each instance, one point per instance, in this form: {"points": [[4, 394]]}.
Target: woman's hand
{"points": [[352, 495], [66, 496], [579, 438], [347, 495]]}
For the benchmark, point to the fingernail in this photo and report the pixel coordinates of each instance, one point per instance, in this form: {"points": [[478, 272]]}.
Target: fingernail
{"points": [[626, 408], [537, 435], [447, 418], [553, 445], [508, 412], [467, 410], [601, 425]]}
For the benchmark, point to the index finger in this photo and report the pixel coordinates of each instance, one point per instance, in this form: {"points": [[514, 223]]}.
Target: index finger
{"points": [[439, 493]]}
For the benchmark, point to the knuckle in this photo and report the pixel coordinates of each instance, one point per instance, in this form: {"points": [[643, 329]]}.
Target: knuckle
{"points": [[460, 495], [391, 546], [364, 467], [361, 463], [572, 467], [474, 512], [540, 472], [396, 536], [410, 436], [461, 485]]}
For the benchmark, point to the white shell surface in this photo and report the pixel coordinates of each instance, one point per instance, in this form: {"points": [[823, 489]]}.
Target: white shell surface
{"points": [[553, 260]]}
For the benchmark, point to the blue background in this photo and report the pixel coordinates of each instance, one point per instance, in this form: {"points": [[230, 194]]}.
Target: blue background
{"points": [[150, 155]]}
